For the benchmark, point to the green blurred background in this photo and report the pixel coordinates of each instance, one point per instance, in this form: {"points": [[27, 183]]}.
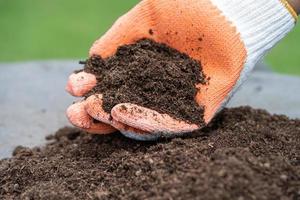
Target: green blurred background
{"points": [[65, 29]]}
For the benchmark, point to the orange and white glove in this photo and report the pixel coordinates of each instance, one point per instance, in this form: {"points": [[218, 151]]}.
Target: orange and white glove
{"points": [[227, 36]]}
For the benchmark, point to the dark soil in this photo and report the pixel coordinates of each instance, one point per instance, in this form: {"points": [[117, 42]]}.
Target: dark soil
{"points": [[243, 154], [150, 75]]}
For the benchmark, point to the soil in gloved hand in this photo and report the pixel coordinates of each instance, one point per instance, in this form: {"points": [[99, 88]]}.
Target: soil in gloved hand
{"points": [[243, 154], [152, 75]]}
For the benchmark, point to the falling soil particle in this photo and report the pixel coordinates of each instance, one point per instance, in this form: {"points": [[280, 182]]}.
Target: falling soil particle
{"points": [[152, 75], [243, 154]]}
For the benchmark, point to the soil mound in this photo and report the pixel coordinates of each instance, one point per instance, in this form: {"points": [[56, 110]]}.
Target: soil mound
{"points": [[243, 154]]}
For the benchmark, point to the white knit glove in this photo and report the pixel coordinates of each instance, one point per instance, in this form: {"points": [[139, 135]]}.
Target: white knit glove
{"points": [[261, 24]]}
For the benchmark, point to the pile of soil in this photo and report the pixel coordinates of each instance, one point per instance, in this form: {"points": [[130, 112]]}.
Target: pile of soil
{"points": [[152, 75], [243, 154]]}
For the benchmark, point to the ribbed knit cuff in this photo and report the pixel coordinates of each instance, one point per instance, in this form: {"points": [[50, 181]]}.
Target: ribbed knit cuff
{"points": [[261, 24]]}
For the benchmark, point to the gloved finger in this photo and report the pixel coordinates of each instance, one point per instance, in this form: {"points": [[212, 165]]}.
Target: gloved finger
{"points": [[78, 117], [80, 83], [94, 108], [149, 120]]}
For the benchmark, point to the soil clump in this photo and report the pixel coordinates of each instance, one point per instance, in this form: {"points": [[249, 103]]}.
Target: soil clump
{"points": [[152, 75]]}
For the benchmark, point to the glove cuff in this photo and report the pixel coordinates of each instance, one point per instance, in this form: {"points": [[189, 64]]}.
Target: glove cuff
{"points": [[261, 24]]}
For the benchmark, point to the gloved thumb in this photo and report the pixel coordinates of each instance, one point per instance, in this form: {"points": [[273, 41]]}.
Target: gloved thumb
{"points": [[129, 28]]}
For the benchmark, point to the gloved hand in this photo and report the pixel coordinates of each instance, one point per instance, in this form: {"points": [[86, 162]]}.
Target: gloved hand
{"points": [[227, 36]]}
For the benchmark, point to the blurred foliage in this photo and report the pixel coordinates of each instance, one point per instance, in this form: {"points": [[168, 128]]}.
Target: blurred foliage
{"points": [[45, 29], [59, 29]]}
